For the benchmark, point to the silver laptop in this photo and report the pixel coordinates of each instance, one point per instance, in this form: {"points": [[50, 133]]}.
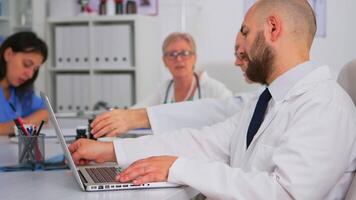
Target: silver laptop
{"points": [[96, 177]]}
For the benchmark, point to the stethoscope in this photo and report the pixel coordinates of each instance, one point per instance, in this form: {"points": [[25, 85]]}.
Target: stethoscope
{"points": [[170, 85]]}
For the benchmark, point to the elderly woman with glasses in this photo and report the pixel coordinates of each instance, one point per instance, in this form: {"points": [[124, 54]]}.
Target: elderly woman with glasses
{"points": [[179, 56]]}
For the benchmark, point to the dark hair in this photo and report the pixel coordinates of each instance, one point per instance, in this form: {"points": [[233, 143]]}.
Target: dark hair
{"points": [[25, 42]]}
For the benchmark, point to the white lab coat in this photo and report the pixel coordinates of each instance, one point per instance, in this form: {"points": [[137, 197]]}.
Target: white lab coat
{"points": [[194, 114], [304, 148], [209, 87]]}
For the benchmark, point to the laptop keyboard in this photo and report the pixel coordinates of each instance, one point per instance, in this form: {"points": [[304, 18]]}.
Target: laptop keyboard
{"points": [[102, 174]]}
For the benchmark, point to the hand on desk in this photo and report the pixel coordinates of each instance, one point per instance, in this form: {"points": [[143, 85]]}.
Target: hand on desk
{"points": [[84, 150], [152, 169], [118, 121]]}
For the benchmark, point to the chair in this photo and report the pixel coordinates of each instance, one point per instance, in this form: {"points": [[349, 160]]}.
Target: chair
{"points": [[347, 79], [351, 194]]}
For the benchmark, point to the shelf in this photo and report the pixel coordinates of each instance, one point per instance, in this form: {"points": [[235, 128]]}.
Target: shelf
{"points": [[97, 70], [93, 18], [128, 69], [79, 69], [132, 33]]}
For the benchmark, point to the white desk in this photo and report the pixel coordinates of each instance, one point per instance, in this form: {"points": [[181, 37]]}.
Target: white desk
{"points": [[60, 184]]}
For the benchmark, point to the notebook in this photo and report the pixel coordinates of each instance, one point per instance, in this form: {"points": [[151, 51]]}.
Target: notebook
{"points": [[96, 177]]}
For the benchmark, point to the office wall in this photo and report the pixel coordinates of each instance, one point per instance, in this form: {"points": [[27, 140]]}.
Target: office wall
{"points": [[214, 24]]}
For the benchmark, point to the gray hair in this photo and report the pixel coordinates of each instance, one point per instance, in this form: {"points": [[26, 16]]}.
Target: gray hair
{"points": [[179, 36]]}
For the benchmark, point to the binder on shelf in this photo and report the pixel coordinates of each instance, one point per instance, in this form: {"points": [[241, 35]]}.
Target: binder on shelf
{"points": [[79, 51], [112, 46], [64, 91], [98, 46], [114, 89], [81, 92], [59, 46], [122, 95], [98, 89], [121, 53], [66, 47]]}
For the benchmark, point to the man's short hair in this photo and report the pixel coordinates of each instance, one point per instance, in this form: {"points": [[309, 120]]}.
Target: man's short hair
{"points": [[298, 14]]}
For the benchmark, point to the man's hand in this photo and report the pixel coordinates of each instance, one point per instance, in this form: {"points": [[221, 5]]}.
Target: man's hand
{"points": [[152, 169], [118, 121], [84, 151]]}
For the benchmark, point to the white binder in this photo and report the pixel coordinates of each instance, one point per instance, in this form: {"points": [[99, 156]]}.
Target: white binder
{"points": [[112, 46], [80, 93], [64, 91], [114, 89], [122, 92], [79, 48], [67, 47], [98, 47], [59, 46], [121, 51]]}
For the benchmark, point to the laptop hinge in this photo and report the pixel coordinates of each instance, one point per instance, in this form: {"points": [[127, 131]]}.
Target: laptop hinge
{"points": [[84, 180]]}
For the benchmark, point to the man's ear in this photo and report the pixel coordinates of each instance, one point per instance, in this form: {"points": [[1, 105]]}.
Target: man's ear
{"points": [[8, 53], [274, 27]]}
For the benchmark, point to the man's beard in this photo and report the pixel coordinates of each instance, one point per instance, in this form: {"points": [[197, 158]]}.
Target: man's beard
{"points": [[260, 67]]}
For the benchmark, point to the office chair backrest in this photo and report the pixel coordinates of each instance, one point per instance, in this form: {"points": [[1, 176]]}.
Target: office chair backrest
{"points": [[351, 194], [347, 79]]}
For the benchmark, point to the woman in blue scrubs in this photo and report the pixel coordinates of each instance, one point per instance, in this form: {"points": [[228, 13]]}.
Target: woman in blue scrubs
{"points": [[21, 56]]}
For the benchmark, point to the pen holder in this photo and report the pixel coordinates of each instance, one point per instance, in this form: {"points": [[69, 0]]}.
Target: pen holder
{"points": [[31, 149]]}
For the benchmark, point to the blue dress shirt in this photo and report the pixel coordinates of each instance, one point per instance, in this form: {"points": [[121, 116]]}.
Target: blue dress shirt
{"points": [[24, 108]]}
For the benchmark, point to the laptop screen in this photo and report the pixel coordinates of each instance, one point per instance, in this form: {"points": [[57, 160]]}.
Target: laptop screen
{"points": [[60, 136]]}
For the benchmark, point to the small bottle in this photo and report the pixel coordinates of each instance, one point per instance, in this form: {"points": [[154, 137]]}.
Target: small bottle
{"points": [[90, 135], [102, 7], [81, 132], [110, 7], [131, 7], [119, 7]]}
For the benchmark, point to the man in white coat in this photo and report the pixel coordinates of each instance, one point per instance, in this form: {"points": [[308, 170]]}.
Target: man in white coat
{"points": [[293, 140]]}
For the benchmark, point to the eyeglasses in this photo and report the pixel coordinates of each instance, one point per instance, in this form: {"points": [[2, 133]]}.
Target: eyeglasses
{"points": [[174, 54]]}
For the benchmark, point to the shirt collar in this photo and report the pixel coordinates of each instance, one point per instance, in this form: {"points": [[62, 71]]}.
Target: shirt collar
{"points": [[281, 86]]}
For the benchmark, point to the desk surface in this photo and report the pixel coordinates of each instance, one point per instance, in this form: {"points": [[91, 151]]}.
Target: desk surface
{"points": [[61, 184]]}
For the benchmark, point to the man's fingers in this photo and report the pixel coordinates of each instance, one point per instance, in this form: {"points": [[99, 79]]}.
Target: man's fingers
{"points": [[150, 177], [99, 119], [132, 174], [76, 158], [99, 126], [104, 131]]}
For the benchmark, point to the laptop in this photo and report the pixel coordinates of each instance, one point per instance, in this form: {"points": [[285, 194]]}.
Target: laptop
{"points": [[96, 177]]}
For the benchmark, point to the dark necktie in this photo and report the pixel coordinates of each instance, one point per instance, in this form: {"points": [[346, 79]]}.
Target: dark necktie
{"points": [[258, 115]]}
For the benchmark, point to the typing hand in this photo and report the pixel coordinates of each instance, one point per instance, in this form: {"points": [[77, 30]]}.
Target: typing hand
{"points": [[152, 169], [83, 151]]}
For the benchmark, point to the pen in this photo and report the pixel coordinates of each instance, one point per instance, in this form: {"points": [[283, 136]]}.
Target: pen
{"points": [[18, 121], [39, 128]]}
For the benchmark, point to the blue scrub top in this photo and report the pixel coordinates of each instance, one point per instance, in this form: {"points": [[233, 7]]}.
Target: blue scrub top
{"points": [[30, 105]]}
